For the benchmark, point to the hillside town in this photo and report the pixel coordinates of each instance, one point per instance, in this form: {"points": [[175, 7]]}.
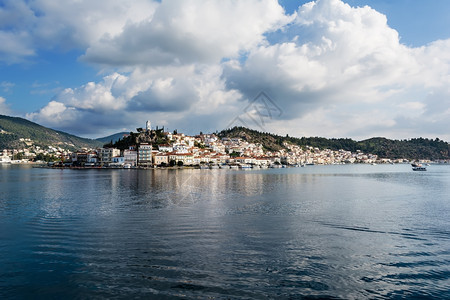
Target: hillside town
{"points": [[202, 151]]}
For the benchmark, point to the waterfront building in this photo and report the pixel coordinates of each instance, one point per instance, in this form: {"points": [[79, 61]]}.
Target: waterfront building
{"points": [[144, 157], [186, 158], [130, 156], [161, 159], [118, 161], [106, 155]]}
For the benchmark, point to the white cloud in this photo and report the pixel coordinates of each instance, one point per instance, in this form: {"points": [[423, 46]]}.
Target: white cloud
{"points": [[165, 95], [333, 69], [97, 97], [4, 107], [54, 113], [27, 26], [190, 31], [342, 59]]}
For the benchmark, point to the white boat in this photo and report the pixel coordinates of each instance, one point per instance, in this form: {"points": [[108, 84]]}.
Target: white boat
{"points": [[418, 167], [5, 160], [245, 166]]}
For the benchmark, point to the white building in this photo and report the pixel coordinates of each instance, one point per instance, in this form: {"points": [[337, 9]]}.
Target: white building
{"points": [[106, 154], [130, 156]]}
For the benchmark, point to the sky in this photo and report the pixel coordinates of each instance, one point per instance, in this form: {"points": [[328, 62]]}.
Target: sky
{"points": [[332, 68]]}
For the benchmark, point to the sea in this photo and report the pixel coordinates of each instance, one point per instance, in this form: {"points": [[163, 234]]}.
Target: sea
{"points": [[315, 232]]}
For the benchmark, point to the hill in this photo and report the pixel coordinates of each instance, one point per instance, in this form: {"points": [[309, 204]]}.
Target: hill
{"points": [[17, 132], [112, 138], [418, 148]]}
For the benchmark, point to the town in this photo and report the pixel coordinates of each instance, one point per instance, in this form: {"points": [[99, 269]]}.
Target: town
{"points": [[152, 148]]}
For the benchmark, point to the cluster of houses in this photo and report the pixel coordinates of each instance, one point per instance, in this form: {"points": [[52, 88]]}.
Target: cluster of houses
{"points": [[208, 150], [32, 152], [203, 150]]}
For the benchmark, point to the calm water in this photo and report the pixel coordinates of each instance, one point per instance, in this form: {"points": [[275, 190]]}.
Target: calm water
{"points": [[347, 232]]}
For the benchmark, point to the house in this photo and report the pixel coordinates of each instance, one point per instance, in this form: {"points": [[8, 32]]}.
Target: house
{"points": [[244, 160], [130, 156], [106, 155], [83, 158], [161, 159], [165, 148], [118, 161], [186, 158]]}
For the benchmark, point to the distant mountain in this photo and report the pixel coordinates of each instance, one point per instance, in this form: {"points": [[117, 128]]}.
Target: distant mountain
{"points": [[13, 129], [418, 148], [112, 138]]}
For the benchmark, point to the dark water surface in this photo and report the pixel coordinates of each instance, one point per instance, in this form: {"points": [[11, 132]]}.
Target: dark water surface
{"points": [[350, 232]]}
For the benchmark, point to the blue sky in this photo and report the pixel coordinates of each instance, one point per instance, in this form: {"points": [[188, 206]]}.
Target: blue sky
{"points": [[332, 68]]}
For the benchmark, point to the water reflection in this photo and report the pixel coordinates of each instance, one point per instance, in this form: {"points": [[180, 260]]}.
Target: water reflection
{"points": [[342, 232]]}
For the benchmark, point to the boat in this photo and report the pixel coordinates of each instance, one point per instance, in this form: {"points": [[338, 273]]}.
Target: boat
{"points": [[5, 160], [418, 167]]}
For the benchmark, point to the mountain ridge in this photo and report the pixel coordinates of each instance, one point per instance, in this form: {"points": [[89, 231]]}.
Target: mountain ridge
{"points": [[16, 132]]}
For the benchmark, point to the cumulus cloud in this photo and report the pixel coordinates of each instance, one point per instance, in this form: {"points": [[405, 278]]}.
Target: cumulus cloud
{"points": [[332, 69], [27, 26], [164, 95], [345, 68], [4, 107], [190, 31], [349, 55]]}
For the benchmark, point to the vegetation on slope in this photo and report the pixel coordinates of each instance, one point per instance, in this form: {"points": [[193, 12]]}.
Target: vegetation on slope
{"points": [[13, 128], [418, 148]]}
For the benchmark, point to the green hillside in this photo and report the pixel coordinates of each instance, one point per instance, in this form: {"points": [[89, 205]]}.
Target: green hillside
{"points": [[12, 129], [417, 148]]}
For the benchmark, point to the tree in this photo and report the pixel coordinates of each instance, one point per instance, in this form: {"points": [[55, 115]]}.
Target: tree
{"points": [[172, 163], [180, 163], [18, 156], [235, 154]]}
